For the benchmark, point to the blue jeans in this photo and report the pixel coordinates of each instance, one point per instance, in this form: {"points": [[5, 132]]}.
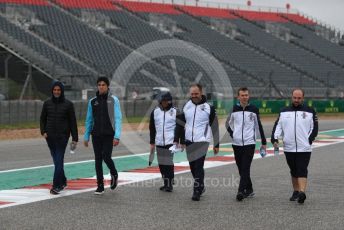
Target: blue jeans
{"points": [[57, 146]]}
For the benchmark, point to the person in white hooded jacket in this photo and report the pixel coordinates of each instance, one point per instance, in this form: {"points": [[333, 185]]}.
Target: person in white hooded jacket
{"points": [[162, 127]]}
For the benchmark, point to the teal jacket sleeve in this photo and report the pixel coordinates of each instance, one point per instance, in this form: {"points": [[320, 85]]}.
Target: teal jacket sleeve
{"points": [[118, 119], [88, 122]]}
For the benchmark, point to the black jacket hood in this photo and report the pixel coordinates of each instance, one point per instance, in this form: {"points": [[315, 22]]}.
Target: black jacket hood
{"points": [[62, 97]]}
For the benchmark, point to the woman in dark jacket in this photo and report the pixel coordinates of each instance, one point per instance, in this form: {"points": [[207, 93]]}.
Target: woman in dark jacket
{"points": [[57, 122]]}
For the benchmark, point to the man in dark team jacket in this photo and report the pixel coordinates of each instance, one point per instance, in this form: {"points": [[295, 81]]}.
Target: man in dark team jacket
{"points": [[104, 123], [57, 122]]}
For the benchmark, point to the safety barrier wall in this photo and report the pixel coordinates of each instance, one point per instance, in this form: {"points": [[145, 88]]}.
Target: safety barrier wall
{"points": [[274, 106], [14, 112]]}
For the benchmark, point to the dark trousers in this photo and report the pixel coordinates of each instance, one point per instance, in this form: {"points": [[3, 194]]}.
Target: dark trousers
{"points": [[57, 147], [243, 158], [196, 152], [102, 147], [166, 166]]}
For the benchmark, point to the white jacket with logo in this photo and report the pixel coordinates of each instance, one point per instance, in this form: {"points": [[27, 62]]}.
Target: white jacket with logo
{"points": [[243, 125], [298, 126], [162, 126], [199, 123]]}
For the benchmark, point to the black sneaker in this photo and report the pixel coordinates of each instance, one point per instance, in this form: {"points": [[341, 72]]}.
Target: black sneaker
{"points": [[100, 189], [166, 188], [114, 182], [248, 194], [295, 196], [169, 188], [55, 191], [240, 196], [196, 196], [302, 198], [203, 191], [64, 186]]}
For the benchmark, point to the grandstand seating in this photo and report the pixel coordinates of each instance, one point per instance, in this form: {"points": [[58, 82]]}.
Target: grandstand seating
{"points": [[26, 2], [63, 44], [135, 33], [291, 54], [298, 19], [236, 82], [207, 12], [260, 16], [320, 45], [78, 39], [87, 4], [145, 7], [235, 52], [260, 39], [40, 53]]}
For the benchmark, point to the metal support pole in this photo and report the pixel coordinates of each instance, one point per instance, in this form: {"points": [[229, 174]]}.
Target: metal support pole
{"points": [[6, 76], [27, 81]]}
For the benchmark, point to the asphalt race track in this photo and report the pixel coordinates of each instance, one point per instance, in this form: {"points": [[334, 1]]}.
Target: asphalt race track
{"points": [[143, 206]]}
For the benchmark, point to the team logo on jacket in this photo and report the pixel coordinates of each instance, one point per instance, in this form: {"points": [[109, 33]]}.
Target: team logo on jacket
{"points": [[203, 107], [171, 113], [304, 115], [251, 117]]}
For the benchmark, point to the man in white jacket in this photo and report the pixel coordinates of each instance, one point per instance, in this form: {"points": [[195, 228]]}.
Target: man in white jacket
{"points": [[243, 124], [198, 124], [162, 127], [298, 126]]}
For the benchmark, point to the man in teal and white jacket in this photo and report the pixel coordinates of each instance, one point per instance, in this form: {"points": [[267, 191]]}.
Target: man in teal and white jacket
{"points": [[104, 123]]}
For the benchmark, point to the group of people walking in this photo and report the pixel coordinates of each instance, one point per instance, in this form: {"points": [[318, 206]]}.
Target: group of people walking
{"points": [[192, 128], [103, 122]]}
